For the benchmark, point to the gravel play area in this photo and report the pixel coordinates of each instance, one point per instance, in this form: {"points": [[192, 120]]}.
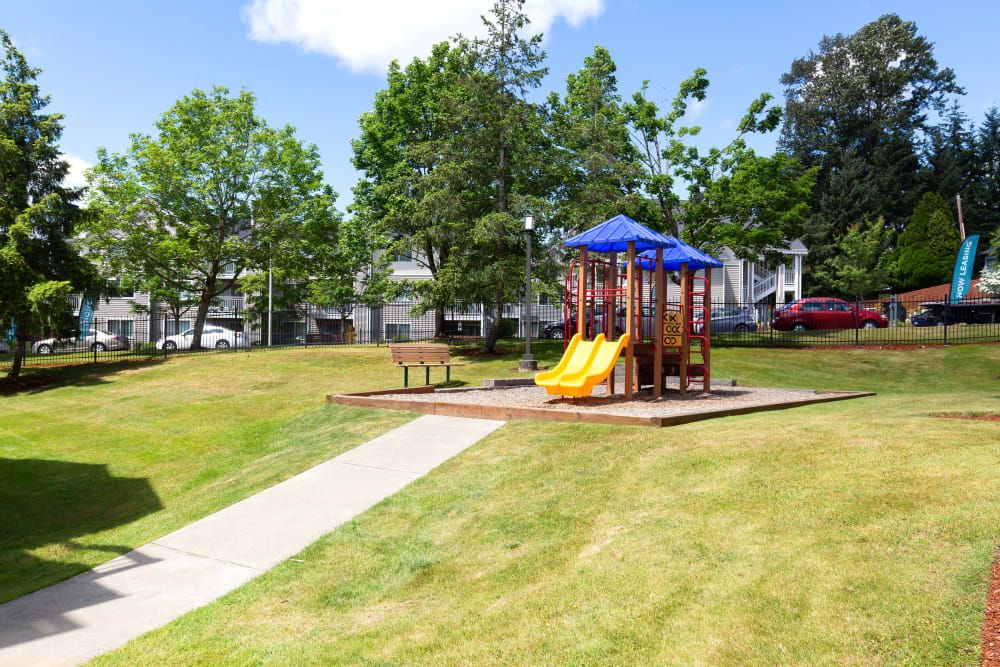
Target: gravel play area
{"points": [[643, 404]]}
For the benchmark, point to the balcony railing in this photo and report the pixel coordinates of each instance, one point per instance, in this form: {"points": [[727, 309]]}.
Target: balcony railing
{"points": [[227, 304]]}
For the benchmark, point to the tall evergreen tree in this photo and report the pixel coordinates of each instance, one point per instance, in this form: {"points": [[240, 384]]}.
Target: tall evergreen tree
{"points": [[981, 204], [863, 96], [862, 264], [600, 174], [39, 264], [949, 155], [502, 150], [926, 251]]}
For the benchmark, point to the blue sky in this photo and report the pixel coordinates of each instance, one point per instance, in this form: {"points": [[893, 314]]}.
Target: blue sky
{"points": [[113, 67]]}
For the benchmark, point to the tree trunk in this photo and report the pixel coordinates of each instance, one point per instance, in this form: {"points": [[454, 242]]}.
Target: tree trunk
{"points": [[15, 366], [439, 322], [491, 338], [204, 302]]}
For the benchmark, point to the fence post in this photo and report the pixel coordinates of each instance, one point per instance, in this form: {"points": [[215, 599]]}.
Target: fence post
{"points": [[770, 332], [857, 320], [947, 303]]}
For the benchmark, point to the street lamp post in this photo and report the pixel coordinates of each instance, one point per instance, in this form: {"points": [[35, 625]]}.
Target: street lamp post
{"points": [[528, 362]]}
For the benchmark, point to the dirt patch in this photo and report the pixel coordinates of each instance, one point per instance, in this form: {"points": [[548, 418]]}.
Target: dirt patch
{"points": [[987, 418], [9, 387], [991, 621]]}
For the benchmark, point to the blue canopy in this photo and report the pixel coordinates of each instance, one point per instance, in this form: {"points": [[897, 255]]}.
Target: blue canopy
{"points": [[676, 255], [614, 235]]}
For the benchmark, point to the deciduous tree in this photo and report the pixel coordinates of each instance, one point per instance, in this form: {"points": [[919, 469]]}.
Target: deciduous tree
{"points": [[215, 194], [40, 265]]}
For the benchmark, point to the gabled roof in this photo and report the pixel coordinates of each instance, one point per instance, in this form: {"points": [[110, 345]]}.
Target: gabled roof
{"points": [[614, 235], [681, 253]]}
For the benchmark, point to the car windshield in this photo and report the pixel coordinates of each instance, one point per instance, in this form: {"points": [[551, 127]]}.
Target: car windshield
{"points": [[789, 305]]}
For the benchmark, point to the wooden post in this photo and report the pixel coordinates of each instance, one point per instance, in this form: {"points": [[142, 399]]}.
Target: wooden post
{"points": [[707, 302], [613, 314], [581, 294], [685, 350], [961, 224], [630, 375], [657, 328]]}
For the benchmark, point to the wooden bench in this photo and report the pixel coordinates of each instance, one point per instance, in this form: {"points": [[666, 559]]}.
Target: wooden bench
{"points": [[422, 355]]}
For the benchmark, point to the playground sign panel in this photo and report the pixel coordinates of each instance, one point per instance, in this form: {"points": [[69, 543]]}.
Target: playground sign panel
{"points": [[672, 328]]}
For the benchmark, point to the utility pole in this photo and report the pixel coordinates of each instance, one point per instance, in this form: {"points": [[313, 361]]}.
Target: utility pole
{"points": [[961, 225]]}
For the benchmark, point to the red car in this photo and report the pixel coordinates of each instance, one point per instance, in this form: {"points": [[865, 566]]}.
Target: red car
{"points": [[825, 313]]}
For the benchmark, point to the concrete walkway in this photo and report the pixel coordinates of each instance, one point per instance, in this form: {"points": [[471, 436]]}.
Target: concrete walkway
{"points": [[94, 612]]}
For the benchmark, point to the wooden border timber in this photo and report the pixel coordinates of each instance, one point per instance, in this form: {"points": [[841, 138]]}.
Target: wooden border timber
{"points": [[375, 400]]}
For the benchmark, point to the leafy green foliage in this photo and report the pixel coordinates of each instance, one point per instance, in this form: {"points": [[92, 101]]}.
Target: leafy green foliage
{"points": [[862, 265], [215, 194], [858, 105], [600, 174], [989, 281], [926, 251], [754, 205], [39, 265]]}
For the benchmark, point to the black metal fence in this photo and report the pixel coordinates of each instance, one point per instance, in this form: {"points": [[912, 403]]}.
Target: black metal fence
{"points": [[808, 322]]}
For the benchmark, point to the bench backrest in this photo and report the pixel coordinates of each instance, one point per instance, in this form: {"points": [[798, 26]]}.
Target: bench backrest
{"points": [[419, 353]]}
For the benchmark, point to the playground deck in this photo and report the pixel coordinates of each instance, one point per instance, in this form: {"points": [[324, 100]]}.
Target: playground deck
{"points": [[532, 403]]}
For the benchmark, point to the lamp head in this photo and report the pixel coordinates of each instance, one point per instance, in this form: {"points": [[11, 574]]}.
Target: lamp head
{"points": [[529, 223]]}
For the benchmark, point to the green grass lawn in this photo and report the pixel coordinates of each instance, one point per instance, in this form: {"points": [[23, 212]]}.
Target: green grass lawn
{"points": [[856, 532], [112, 456]]}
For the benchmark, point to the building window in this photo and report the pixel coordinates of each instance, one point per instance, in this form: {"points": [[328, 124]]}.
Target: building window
{"points": [[403, 256], [123, 328], [397, 332], [115, 290], [174, 327], [543, 299]]}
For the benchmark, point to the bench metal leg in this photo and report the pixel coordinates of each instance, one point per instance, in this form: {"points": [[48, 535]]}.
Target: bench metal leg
{"points": [[406, 376], [447, 373], [427, 372]]}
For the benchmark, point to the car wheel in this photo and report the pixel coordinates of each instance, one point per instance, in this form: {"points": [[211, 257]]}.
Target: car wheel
{"points": [[98, 347], [44, 349], [170, 345], [799, 326], [222, 344], [869, 324], [557, 334], [741, 329]]}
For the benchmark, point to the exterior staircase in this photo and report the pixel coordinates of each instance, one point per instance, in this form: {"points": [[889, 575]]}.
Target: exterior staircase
{"points": [[764, 282]]}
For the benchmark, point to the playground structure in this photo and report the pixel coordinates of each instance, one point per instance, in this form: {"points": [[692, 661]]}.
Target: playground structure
{"points": [[659, 339]]}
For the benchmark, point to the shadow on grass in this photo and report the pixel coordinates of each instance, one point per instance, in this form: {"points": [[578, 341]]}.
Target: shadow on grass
{"points": [[53, 503], [82, 375]]}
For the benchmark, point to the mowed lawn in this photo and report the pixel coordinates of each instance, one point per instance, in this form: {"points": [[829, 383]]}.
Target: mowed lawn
{"points": [[112, 456], [857, 532]]}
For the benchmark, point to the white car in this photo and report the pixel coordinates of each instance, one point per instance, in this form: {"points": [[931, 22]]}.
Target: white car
{"points": [[210, 337], [96, 340]]}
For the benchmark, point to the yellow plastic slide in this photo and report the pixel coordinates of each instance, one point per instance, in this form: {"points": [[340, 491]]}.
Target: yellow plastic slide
{"points": [[584, 364]]}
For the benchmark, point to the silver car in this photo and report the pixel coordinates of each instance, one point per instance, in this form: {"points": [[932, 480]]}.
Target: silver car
{"points": [[95, 340]]}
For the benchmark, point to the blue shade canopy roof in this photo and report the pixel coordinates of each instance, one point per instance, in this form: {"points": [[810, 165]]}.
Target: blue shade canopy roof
{"points": [[675, 256], [613, 236]]}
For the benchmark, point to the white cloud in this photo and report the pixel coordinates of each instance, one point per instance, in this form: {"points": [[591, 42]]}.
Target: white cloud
{"points": [[727, 124], [367, 36], [77, 166], [695, 109]]}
